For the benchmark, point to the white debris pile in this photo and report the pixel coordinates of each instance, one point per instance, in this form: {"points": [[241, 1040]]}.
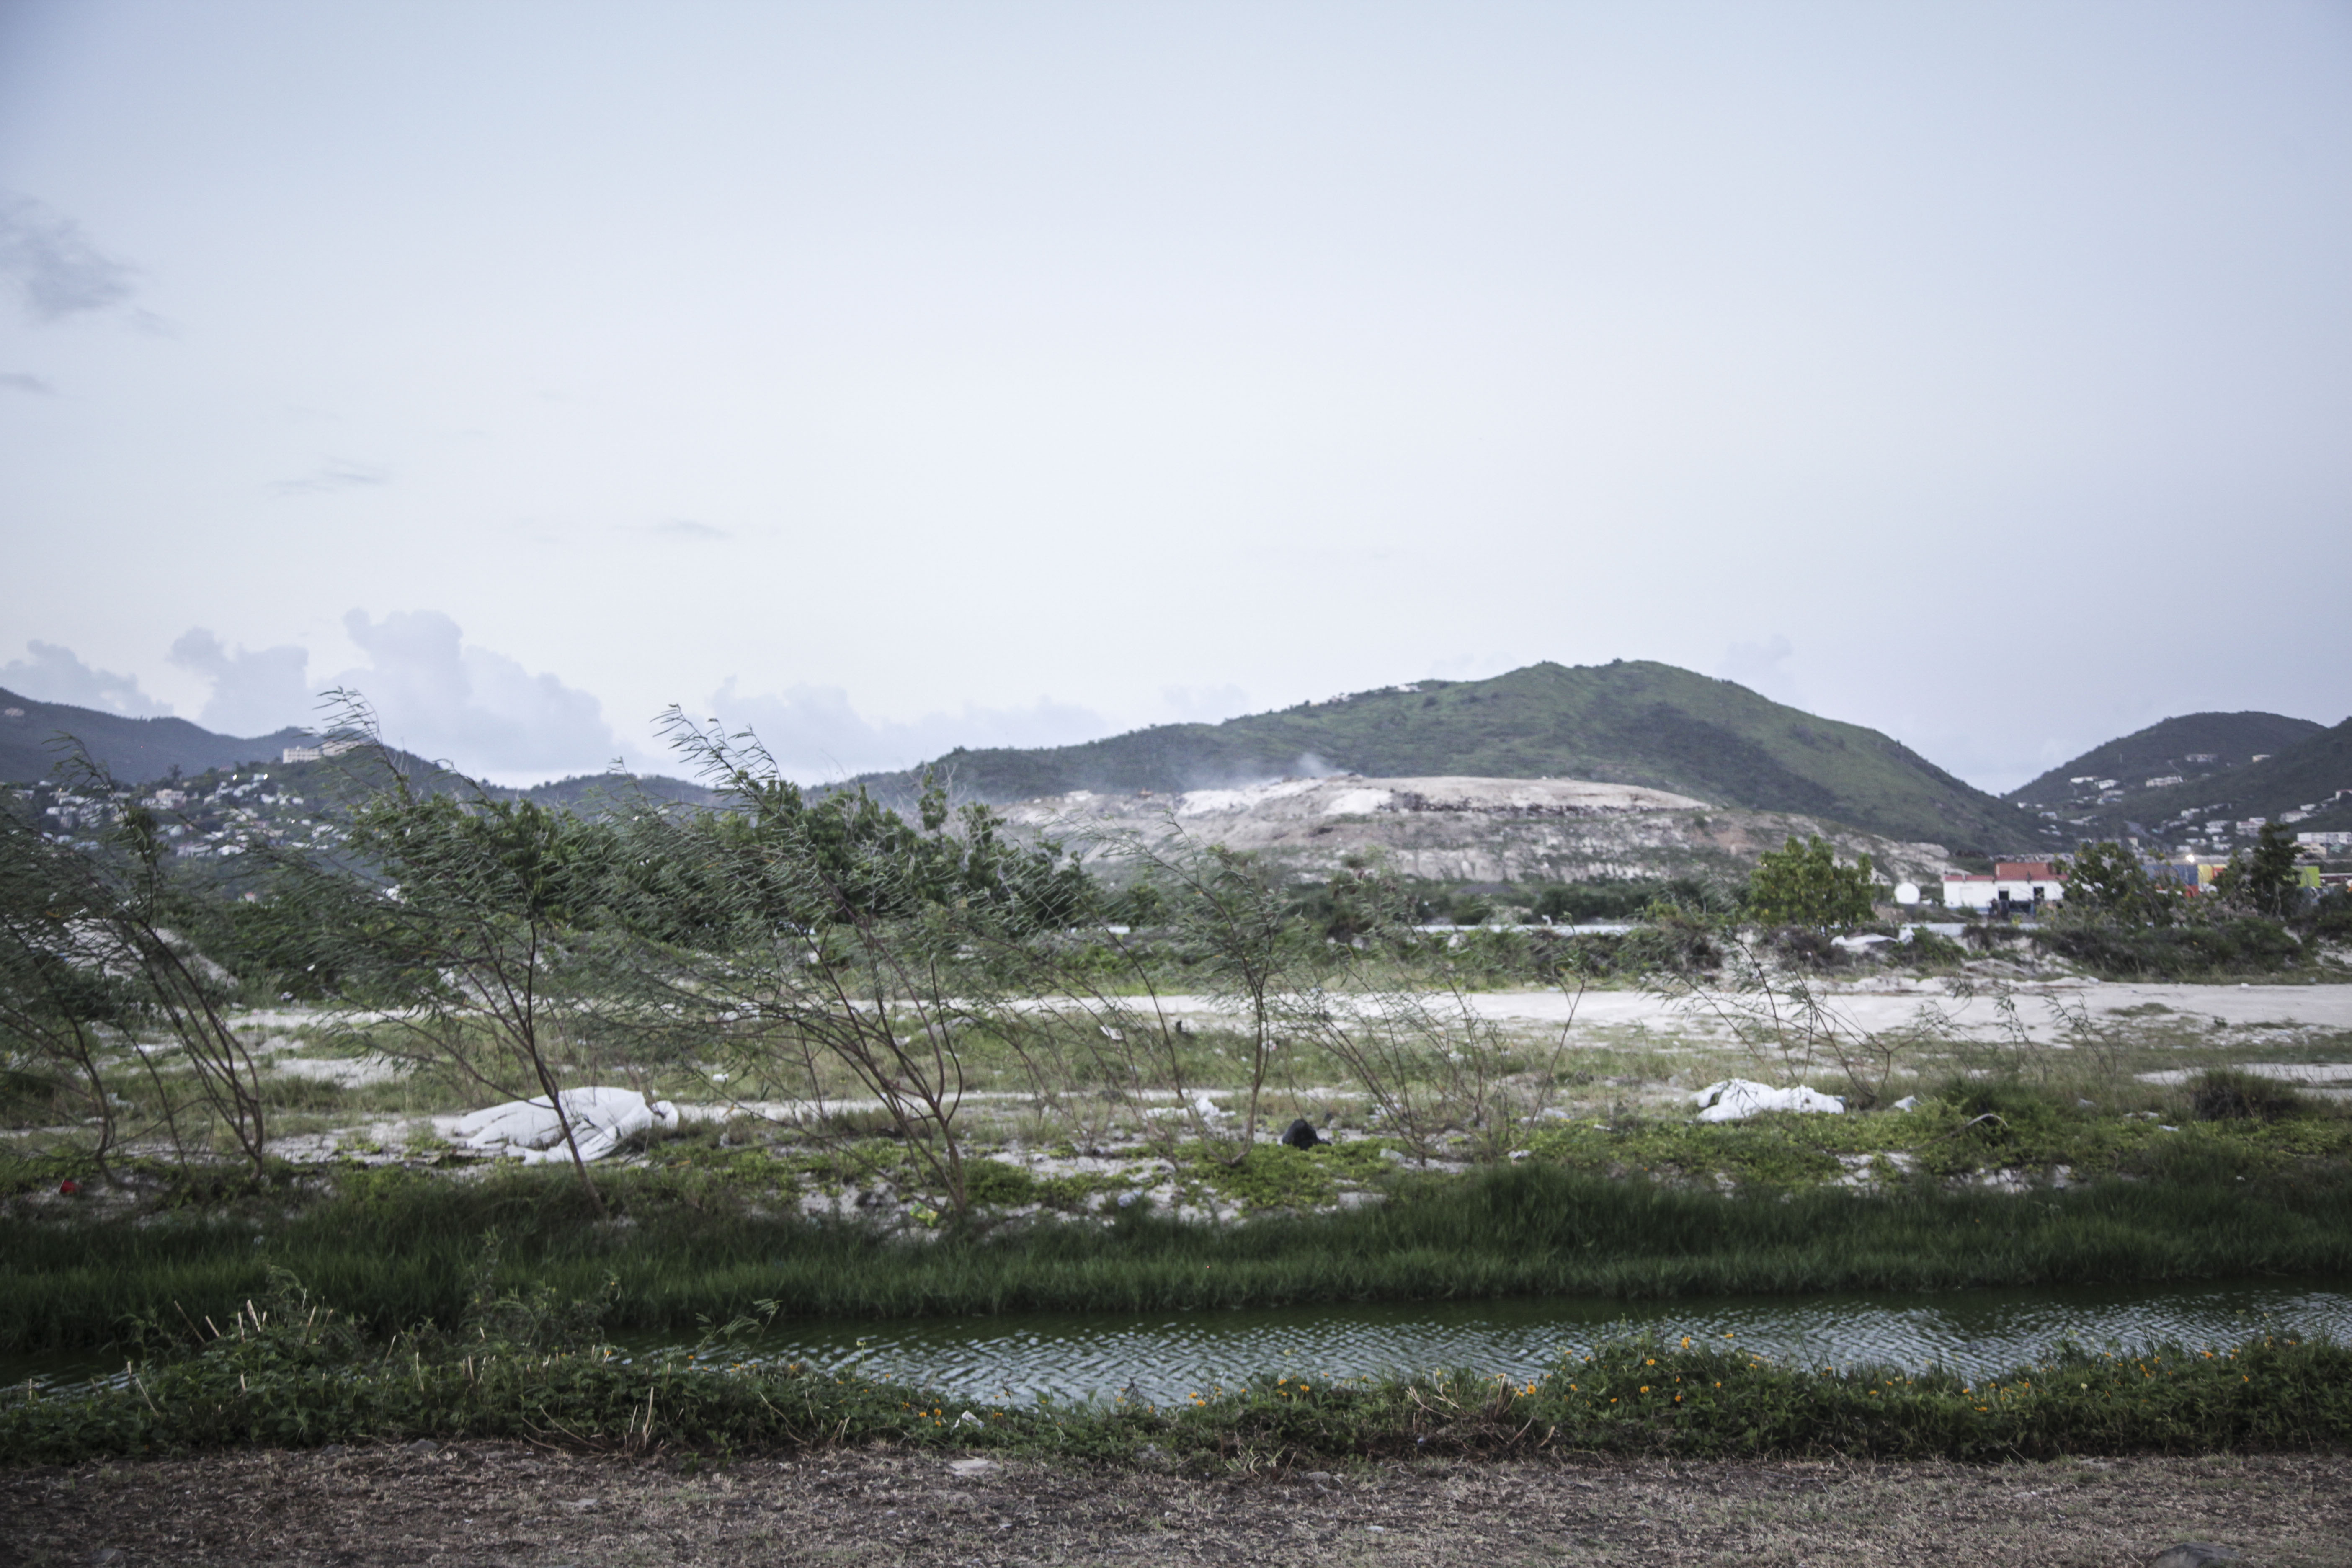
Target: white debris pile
{"points": [[602, 1121], [1737, 1098]]}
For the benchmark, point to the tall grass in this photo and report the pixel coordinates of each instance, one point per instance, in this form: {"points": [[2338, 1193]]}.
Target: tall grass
{"points": [[395, 1250], [289, 1372]]}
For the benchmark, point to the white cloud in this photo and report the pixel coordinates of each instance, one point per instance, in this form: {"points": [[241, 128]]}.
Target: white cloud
{"points": [[815, 735], [55, 674], [255, 691], [440, 697]]}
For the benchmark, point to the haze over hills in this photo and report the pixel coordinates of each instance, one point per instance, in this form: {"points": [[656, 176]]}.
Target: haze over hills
{"points": [[1629, 723], [2190, 747]]}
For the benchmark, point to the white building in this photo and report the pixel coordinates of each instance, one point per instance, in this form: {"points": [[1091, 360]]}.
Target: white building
{"points": [[2019, 884]]}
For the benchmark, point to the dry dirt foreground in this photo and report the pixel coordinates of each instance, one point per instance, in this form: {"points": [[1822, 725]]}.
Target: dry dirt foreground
{"points": [[508, 1504]]}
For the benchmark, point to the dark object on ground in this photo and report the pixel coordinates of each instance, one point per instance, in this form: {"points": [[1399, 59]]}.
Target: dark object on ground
{"points": [[1301, 1134], [2194, 1554]]}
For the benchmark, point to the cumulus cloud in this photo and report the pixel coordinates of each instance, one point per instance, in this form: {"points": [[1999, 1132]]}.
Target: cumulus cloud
{"points": [[56, 271], [54, 674], [255, 691], [816, 735], [443, 698]]}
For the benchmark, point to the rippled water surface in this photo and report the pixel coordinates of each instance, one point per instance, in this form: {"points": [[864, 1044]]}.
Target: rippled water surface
{"points": [[1163, 1356]]}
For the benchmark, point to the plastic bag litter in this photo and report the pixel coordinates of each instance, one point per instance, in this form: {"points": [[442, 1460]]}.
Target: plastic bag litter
{"points": [[1737, 1098], [602, 1121]]}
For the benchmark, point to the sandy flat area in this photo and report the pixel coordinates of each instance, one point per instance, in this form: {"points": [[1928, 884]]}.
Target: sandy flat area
{"points": [[1881, 1005]]}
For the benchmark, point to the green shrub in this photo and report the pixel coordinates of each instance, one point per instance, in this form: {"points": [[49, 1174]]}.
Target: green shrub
{"points": [[2246, 945]]}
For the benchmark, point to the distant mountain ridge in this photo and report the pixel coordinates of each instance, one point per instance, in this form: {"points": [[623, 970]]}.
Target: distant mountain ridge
{"points": [[2315, 772], [144, 751], [132, 749], [1631, 722], [2191, 746]]}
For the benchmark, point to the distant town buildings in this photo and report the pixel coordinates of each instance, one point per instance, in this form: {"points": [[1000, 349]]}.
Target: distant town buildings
{"points": [[320, 752]]}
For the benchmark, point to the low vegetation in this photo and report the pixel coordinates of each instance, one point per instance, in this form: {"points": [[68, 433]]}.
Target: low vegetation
{"points": [[394, 1250], [287, 1371]]}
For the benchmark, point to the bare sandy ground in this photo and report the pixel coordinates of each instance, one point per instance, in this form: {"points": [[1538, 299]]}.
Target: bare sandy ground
{"points": [[2041, 1008], [1884, 1004], [505, 1504]]}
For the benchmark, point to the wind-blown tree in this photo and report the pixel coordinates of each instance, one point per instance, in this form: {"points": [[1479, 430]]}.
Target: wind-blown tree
{"points": [[62, 1014], [95, 946], [2263, 878], [1237, 914], [483, 927], [2107, 881], [835, 932]]}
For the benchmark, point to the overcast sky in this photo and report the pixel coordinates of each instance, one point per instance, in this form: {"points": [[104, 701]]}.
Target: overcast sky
{"points": [[895, 378]]}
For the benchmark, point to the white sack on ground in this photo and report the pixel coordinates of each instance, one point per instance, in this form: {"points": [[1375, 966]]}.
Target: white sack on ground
{"points": [[602, 1121], [1737, 1098]]}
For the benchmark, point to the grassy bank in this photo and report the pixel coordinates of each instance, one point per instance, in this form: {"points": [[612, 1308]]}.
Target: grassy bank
{"points": [[394, 1248], [291, 1373]]}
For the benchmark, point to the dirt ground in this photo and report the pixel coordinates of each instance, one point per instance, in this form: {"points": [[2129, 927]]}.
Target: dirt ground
{"points": [[508, 1504]]}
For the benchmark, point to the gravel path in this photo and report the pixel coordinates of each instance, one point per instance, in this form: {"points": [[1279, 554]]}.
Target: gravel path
{"points": [[507, 1504]]}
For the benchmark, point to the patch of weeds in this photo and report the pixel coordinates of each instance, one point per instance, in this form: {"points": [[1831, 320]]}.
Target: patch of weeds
{"points": [[1076, 1192], [996, 1184], [2223, 1095], [1270, 1177], [2196, 948], [21, 1173]]}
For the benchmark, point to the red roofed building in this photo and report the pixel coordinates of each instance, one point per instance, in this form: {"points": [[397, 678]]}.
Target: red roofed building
{"points": [[2013, 885]]}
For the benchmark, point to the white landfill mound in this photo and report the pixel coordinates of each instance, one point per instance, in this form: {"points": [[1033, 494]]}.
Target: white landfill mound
{"points": [[1460, 829]]}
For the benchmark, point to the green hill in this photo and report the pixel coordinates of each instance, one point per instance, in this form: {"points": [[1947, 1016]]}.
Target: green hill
{"points": [[2314, 773], [2193, 747], [132, 749], [144, 751], [1627, 722]]}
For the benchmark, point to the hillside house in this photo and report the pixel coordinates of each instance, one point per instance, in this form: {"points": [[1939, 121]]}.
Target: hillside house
{"points": [[2014, 885]]}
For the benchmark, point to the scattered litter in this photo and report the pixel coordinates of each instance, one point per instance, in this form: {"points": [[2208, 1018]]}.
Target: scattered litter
{"points": [[602, 1121], [1908, 1102], [1737, 1098]]}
